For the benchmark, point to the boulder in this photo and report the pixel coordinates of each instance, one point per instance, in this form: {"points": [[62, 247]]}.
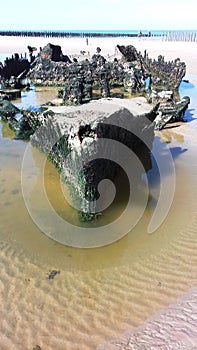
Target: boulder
{"points": [[75, 139]]}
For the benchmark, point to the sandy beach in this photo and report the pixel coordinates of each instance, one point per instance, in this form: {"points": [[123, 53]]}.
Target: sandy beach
{"points": [[186, 51], [139, 293]]}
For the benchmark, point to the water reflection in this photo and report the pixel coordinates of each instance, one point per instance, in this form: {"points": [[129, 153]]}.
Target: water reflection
{"points": [[36, 96], [6, 131], [167, 136]]}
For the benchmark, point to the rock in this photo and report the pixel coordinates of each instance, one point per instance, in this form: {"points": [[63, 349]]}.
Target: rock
{"points": [[49, 66], [37, 347], [73, 141], [7, 109], [129, 52], [134, 80], [54, 53], [171, 111], [52, 274]]}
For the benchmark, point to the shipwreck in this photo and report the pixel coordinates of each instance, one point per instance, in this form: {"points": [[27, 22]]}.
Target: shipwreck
{"points": [[83, 140]]}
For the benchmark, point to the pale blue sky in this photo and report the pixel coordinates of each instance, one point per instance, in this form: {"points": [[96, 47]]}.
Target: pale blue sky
{"points": [[98, 14]]}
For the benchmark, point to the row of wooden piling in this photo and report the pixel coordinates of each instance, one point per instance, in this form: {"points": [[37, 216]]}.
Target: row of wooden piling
{"points": [[180, 36], [63, 34], [166, 36]]}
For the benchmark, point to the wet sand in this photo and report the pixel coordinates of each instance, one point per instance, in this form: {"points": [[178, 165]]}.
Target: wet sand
{"points": [[173, 328], [100, 294]]}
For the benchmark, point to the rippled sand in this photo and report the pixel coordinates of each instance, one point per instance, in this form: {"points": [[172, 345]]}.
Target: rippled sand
{"points": [[173, 328], [81, 308]]}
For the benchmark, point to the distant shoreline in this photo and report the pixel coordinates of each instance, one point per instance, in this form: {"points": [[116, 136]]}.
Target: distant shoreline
{"points": [[69, 34], [165, 35]]}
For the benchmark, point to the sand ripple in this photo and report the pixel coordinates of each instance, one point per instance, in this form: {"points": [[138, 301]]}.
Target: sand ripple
{"points": [[79, 310]]}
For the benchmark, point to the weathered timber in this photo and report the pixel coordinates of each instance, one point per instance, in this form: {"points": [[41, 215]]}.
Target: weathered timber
{"points": [[7, 109], [171, 112], [14, 66], [11, 93]]}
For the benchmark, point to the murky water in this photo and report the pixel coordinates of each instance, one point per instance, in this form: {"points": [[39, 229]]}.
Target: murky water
{"points": [[99, 293]]}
